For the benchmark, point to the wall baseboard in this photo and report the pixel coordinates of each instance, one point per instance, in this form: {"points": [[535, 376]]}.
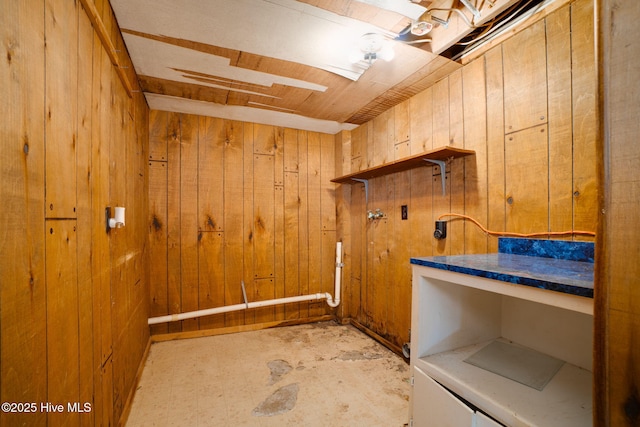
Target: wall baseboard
{"points": [[127, 404], [240, 328]]}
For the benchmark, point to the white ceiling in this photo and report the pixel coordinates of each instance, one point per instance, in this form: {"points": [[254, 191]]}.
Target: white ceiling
{"points": [[281, 62]]}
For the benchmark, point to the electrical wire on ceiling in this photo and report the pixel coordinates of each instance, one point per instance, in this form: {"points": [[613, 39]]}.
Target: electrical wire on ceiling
{"points": [[497, 26], [459, 12], [497, 23], [479, 32]]}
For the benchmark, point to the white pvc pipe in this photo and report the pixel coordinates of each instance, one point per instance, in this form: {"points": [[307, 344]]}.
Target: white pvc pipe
{"points": [[331, 301], [287, 300]]}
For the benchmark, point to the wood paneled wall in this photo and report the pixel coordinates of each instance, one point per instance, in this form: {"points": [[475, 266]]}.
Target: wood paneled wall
{"points": [[73, 299], [233, 202], [528, 109], [617, 296]]}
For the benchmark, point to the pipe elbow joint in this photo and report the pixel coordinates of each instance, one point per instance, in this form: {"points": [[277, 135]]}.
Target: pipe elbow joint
{"points": [[333, 303]]}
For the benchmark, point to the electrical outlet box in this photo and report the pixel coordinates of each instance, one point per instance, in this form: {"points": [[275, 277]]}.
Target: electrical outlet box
{"points": [[441, 230], [404, 212]]}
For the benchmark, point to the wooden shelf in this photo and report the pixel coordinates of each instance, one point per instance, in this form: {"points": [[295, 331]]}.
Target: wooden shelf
{"points": [[441, 154]]}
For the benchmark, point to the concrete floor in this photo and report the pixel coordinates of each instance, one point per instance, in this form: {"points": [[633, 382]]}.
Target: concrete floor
{"points": [[320, 374]]}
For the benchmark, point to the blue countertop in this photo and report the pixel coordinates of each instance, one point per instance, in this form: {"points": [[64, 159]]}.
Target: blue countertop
{"points": [[556, 265]]}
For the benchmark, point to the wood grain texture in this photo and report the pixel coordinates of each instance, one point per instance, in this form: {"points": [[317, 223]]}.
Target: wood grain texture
{"points": [[291, 241], [174, 231], [314, 218], [158, 135], [303, 217], [584, 115], [475, 138], [559, 73], [496, 198], [61, 29], [189, 290], [421, 121], [525, 79], [266, 215], [291, 221], [62, 318], [211, 276], [84, 216], [23, 363], [73, 130], [515, 108], [342, 148], [401, 122], [233, 221], [158, 240], [100, 278], [617, 294], [456, 168], [210, 174], [527, 187], [107, 42], [403, 163]]}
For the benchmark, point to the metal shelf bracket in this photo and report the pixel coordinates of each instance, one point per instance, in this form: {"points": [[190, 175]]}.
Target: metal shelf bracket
{"points": [[443, 172], [366, 188]]}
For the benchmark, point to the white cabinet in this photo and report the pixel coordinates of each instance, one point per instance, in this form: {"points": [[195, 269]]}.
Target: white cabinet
{"points": [[483, 421], [441, 409], [456, 316]]}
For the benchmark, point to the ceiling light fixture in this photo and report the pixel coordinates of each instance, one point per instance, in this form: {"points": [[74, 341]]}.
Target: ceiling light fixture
{"points": [[420, 28], [371, 47]]}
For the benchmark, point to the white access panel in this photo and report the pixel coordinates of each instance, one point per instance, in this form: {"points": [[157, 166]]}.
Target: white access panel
{"points": [[437, 407], [483, 421]]}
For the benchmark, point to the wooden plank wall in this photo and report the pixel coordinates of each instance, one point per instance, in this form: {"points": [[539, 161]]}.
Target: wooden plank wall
{"points": [[617, 296], [230, 202], [73, 299], [528, 109]]}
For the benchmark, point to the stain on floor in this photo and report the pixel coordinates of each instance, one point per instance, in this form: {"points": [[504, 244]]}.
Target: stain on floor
{"points": [[363, 354], [279, 368], [278, 377], [282, 400]]}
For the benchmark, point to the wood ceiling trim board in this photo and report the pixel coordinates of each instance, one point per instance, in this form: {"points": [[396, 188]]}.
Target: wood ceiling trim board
{"points": [[246, 114], [242, 24], [250, 61], [160, 60], [289, 99], [196, 92], [230, 83], [158, 86], [233, 55], [270, 107], [230, 86], [288, 69]]}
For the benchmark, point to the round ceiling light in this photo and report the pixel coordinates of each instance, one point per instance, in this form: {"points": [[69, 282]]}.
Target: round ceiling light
{"points": [[421, 28]]}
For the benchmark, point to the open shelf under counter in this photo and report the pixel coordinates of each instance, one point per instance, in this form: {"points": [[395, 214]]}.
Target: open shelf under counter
{"points": [[564, 402], [534, 295]]}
